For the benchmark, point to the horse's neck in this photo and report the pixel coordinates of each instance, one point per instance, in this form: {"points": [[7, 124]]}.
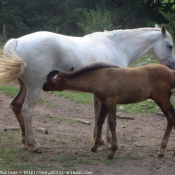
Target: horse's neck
{"points": [[137, 42]]}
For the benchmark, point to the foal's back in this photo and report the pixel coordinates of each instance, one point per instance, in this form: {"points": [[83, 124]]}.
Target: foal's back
{"points": [[132, 85]]}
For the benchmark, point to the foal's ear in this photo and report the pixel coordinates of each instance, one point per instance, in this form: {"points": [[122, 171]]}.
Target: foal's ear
{"points": [[52, 74], [163, 30]]}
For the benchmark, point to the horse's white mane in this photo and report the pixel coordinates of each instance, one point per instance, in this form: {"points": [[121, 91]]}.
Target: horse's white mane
{"points": [[156, 28]]}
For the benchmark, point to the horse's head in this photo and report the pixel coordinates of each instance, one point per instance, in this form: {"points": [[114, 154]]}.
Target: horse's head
{"points": [[163, 49], [54, 81]]}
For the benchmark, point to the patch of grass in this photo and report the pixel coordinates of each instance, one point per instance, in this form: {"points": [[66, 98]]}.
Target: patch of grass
{"points": [[57, 135], [50, 105], [41, 101], [144, 107], [130, 156], [77, 97], [85, 161], [76, 140], [109, 161], [41, 117], [146, 58], [9, 90], [147, 106], [67, 160], [64, 119]]}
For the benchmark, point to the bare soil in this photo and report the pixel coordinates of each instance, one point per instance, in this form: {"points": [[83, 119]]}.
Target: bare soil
{"points": [[138, 140]]}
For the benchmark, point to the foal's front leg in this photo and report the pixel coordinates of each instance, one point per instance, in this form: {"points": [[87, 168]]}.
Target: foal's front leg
{"points": [[97, 107], [101, 119]]}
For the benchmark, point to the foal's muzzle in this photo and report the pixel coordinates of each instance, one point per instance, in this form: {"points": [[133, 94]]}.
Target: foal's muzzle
{"points": [[45, 87]]}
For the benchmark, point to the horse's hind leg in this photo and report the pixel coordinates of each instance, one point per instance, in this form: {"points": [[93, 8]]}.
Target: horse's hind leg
{"points": [[97, 107], [108, 141], [16, 106], [27, 111], [169, 112]]}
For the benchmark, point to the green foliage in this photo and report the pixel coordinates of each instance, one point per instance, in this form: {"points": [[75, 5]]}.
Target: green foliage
{"points": [[170, 17], [74, 16], [95, 20]]}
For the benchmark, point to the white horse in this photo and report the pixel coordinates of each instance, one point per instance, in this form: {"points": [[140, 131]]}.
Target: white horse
{"points": [[42, 52]]}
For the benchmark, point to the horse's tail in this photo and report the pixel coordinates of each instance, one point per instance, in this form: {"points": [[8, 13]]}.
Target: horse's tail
{"points": [[11, 65]]}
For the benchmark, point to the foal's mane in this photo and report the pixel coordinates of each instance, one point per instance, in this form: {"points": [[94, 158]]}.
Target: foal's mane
{"points": [[91, 67]]}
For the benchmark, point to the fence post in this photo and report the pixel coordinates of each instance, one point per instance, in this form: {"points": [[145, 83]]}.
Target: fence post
{"points": [[4, 32], [57, 29]]}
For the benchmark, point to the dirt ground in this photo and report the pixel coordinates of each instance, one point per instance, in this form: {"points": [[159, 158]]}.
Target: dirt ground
{"points": [[138, 139]]}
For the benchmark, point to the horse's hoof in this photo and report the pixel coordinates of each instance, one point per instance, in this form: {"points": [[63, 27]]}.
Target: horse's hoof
{"points": [[110, 156], [160, 156], [108, 145], [22, 138], [102, 142], [38, 150], [23, 141]]}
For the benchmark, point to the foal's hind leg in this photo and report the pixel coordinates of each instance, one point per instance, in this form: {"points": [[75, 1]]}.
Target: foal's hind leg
{"points": [[169, 112], [16, 105]]}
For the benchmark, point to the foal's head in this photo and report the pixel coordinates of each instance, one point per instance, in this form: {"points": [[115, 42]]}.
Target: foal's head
{"points": [[55, 81]]}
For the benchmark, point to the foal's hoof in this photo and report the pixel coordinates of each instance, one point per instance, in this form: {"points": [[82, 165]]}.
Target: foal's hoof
{"points": [[160, 156], [110, 156], [93, 149], [102, 142]]}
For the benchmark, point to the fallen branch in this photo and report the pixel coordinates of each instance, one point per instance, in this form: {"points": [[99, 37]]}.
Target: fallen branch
{"points": [[84, 121], [128, 118], [43, 130], [47, 147], [160, 114], [12, 128]]}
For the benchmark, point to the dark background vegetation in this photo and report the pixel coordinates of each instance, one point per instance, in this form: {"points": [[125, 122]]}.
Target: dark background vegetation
{"points": [[79, 17]]}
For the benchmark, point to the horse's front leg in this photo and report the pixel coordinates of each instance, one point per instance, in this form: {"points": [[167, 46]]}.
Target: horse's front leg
{"points": [[108, 141], [112, 126], [27, 111], [101, 119], [97, 107], [16, 106]]}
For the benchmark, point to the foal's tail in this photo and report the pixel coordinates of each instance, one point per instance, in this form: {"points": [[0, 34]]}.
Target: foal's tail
{"points": [[11, 65]]}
